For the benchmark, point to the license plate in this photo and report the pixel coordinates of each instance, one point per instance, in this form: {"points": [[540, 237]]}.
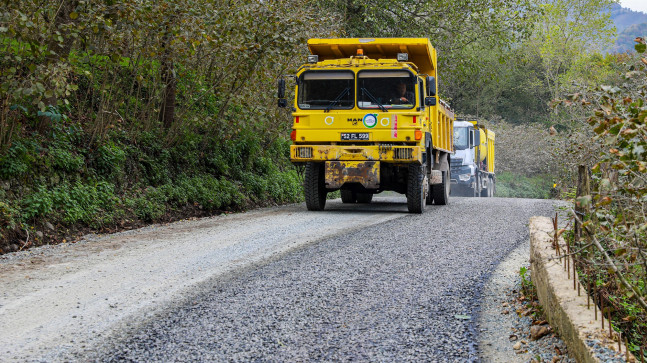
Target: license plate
{"points": [[354, 136]]}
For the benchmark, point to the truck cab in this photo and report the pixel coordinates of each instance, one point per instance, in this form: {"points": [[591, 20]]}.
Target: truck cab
{"points": [[472, 164]]}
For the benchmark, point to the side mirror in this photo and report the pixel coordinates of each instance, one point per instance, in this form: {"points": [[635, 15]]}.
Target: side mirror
{"points": [[282, 101], [477, 137], [472, 144], [430, 101], [431, 86]]}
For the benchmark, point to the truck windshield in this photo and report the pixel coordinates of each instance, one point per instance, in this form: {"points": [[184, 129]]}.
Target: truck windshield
{"points": [[386, 89], [326, 90], [461, 138]]}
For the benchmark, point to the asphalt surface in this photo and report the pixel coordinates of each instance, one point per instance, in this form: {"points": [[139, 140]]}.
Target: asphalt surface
{"points": [[393, 287]]}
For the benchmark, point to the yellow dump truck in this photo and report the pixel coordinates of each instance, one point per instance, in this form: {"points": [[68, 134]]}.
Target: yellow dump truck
{"points": [[367, 118], [472, 165]]}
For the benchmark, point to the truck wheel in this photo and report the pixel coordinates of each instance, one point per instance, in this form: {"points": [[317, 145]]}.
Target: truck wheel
{"points": [[416, 188], [430, 195], [441, 191], [490, 187], [348, 196], [364, 197], [315, 189], [484, 192]]}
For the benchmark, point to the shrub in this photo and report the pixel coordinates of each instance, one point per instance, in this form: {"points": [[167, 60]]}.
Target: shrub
{"points": [[513, 185]]}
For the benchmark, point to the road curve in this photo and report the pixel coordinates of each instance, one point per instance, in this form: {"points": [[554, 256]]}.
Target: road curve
{"points": [[355, 282]]}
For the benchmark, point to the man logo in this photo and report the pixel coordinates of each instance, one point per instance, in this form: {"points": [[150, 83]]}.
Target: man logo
{"points": [[370, 120]]}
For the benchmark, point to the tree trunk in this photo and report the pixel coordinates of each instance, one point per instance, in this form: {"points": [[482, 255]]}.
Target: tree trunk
{"points": [[167, 110]]}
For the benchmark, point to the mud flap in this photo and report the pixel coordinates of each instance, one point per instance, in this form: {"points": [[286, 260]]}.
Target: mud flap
{"points": [[436, 177], [366, 173]]}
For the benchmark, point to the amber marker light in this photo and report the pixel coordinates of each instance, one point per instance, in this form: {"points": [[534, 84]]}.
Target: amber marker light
{"points": [[293, 135], [418, 134], [360, 52]]}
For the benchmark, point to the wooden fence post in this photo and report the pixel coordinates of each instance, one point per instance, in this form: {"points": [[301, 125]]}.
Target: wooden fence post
{"points": [[583, 189]]}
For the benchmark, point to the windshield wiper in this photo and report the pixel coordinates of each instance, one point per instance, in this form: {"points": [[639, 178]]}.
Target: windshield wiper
{"points": [[381, 106], [337, 99]]}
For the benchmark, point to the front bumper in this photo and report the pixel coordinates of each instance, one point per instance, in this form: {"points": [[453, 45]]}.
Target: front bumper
{"points": [[385, 153]]}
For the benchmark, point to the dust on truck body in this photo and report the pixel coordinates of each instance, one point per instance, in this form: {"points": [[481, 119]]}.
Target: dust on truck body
{"points": [[367, 118], [472, 165]]}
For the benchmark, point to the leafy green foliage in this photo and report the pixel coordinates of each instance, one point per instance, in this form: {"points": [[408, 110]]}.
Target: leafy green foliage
{"points": [[512, 185], [615, 211]]}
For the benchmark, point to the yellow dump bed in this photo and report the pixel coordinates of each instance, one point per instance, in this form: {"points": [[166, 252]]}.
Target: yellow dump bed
{"points": [[420, 51]]}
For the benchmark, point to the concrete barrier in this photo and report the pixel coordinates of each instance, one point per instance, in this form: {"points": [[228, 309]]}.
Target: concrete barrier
{"points": [[567, 312]]}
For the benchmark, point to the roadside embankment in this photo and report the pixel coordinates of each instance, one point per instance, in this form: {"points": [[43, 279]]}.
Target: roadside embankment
{"points": [[566, 308]]}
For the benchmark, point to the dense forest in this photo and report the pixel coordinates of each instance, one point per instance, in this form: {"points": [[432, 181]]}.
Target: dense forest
{"points": [[118, 113]]}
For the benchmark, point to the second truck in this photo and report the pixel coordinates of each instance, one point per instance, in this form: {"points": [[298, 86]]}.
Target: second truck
{"points": [[367, 118], [472, 166]]}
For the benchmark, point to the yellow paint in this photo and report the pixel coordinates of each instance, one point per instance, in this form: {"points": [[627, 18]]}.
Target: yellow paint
{"points": [[322, 130]]}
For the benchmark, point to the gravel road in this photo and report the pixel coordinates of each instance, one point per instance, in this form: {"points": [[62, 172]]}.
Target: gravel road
{"points": [[355, 282]]}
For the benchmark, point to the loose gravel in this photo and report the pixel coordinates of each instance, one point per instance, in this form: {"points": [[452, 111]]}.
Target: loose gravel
{"points": [[503, 322], [406, 289]]}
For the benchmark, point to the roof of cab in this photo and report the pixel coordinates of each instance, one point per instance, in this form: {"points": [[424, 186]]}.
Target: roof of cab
{"points": [[420, 50]]}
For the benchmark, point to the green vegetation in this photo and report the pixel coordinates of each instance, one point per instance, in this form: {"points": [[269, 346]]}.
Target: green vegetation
{"points": [[512, 185]]}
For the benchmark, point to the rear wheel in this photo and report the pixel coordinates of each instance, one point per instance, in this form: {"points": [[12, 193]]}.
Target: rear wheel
{"points": [[441, 191], [416, 188], [484, 192], [490, 187], [364, 197], [430, 195], [314, 187], [348, 196]]}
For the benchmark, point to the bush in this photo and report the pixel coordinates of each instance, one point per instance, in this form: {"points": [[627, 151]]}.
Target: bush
{"points": [[513, 185], [65, 160]]}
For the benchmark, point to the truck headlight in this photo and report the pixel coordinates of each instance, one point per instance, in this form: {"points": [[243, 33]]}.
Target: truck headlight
{"points": [[464, 177]]}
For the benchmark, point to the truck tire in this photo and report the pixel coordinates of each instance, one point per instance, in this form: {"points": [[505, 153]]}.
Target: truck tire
{"points": [[364, 198], [314, 187], [441, 191], [417, 186], [484, 192], [348, 196], [490, 188], [430, 195]]}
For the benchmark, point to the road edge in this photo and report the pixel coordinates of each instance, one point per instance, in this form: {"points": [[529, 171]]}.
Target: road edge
{"points": [[567, 312]]}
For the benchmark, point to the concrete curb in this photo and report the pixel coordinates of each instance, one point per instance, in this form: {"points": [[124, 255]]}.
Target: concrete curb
{"points": [[567, 312]]}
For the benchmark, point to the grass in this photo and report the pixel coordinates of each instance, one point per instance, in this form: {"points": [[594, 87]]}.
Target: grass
{"points": [[513, 185]]}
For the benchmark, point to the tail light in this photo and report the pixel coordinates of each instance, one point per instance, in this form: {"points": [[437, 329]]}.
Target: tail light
{"points": [[296, 119], [414, 119], [293, 135], [418, 134]]}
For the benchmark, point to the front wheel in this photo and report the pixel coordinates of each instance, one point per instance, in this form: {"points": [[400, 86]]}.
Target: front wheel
{"points": [[314, 187], [441, 191], [417, 188]]}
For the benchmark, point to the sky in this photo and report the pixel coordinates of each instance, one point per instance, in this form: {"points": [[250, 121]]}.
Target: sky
{"points": [[636, 5]]}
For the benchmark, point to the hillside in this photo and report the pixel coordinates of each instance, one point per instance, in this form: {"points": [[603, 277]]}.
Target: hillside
{"points": [[629, 24]]}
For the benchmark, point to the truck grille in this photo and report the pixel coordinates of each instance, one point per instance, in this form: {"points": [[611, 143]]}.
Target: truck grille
{"points": [[303, 152], [404, 153]]}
